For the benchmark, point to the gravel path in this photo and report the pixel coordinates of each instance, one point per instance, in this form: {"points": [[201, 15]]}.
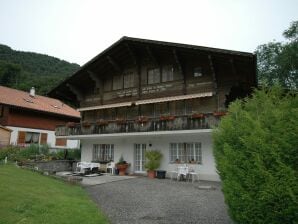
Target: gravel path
{"points": [[142, 200]]}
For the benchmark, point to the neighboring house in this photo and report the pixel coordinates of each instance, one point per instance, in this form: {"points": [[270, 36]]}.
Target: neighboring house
{"points": [[141, 94], [4, 136], [33, 118]]}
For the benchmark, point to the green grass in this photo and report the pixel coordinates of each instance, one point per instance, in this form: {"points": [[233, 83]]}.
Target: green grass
{"points": [[29, 197]]}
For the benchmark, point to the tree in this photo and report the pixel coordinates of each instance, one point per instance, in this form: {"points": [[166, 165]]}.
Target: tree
{"points": [[9, 74], [255, 148], [278, 62]]}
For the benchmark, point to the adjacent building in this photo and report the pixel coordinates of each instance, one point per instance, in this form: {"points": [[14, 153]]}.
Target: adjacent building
{"points": [[32, 118], [141, 94]]}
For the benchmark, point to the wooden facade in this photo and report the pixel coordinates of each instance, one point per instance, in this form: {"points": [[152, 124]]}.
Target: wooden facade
{"points": [[137, 79]]}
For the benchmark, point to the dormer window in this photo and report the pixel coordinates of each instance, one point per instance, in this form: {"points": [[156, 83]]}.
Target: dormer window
{"points": [[197, 72]]}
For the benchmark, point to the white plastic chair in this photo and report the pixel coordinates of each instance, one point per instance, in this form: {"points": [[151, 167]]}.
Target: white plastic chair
{"points": [[182, 171], [111, 166]]}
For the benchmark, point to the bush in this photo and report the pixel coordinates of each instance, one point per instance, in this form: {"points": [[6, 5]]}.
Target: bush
{"points": [[255, 149], [153, 159], [11, 152]]}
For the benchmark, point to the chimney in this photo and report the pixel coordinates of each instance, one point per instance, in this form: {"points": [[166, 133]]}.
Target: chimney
{"points": [[32, 92]]}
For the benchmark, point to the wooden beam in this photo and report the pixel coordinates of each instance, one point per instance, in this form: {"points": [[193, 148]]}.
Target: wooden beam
{"points": [[74, 89], [131, 53], [95, 78], [152, 56], [114, 64], [179, 64]]}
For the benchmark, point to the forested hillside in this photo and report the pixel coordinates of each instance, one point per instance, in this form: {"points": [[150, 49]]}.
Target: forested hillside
{"points": [[22, 70]]}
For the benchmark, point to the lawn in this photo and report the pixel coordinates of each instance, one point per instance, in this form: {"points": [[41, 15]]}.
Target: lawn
{"points": [[29, 197]]}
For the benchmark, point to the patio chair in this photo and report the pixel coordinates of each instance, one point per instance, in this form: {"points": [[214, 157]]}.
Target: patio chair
{"points": [[111, 167], [182, 171]]}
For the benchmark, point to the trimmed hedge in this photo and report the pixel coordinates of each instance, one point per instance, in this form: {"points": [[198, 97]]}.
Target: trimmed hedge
{"points": [[256, 153]]}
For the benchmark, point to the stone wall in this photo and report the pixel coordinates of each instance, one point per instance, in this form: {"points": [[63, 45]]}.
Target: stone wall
{"points": [[53, 166]]}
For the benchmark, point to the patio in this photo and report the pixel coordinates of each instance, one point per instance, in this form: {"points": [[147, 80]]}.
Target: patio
{"points": [[142, 200]]}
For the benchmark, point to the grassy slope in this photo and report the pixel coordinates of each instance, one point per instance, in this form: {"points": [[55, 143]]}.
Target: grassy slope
{"points": [[28, 197]]}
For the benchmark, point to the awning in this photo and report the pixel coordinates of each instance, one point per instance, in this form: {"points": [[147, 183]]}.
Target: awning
{"points": [[155, 100]]}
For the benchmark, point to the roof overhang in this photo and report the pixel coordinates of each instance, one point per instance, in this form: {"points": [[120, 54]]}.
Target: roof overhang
{"points": [[148, 101]]}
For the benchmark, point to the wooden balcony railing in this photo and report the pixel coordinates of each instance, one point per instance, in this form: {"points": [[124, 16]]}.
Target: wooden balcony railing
{"points": [[141, 124]]}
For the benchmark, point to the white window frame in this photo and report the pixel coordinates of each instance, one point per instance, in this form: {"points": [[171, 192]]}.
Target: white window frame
{"points": [[103, 152], [187, 152]]}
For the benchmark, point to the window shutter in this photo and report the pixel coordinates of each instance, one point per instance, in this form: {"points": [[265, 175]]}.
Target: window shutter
{"points": [[44, 138], [61, 142], [21, 137]]}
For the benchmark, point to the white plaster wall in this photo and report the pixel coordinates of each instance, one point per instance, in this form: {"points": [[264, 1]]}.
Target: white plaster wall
{"points": [[51, 140], [125, 146]]}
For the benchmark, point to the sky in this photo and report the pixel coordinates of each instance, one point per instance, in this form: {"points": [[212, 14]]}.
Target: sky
{"points": [[78, 30]]}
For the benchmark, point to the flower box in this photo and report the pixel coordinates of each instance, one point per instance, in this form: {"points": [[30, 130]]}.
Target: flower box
{"points": [[120, 121], [219, 113], [102, 122], [197, 116], [70, 124], [142, 119], [167, 118], [86, 124]]}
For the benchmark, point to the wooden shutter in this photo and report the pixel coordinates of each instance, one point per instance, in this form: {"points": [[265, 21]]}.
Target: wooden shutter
{"points": [[61, 142], [43, 138], [21, 137]]}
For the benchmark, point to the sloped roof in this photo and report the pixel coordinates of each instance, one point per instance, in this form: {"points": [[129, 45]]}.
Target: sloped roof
{"points": [[17, 98], [5, 128]]}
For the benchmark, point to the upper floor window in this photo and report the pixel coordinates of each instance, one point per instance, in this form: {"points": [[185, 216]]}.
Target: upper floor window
{"points": [[117, 82], [129, 80], [167, 73], [197, 72], [153, 76]]}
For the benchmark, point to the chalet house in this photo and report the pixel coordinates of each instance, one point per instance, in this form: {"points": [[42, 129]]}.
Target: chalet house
{"points": [[141, 94], [33, 118]]}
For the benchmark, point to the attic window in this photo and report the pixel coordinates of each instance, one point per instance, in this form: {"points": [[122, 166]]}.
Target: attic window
{"points": [[28, 100]]}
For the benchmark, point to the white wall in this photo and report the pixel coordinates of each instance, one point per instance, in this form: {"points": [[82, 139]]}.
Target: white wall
{"points": [[125, 146], [51, 140]]}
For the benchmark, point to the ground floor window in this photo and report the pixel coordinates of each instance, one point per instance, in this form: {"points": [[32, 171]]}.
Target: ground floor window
{"points": [[103, 152], [61, 142], [32, 138], [187, 152]]}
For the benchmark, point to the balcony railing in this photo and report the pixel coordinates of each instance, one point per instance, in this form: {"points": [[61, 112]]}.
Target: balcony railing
{"points": [[142, 124]]}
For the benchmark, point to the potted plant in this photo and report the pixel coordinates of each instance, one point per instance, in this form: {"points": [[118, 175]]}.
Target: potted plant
{"points": [[122, 166], [153, 158], [197, 115], [70, 124], [102, 122], [86, 124], [219, 113]]}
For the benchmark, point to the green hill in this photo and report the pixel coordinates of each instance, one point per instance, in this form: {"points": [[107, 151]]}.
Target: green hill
{"points": [[22, 70]]}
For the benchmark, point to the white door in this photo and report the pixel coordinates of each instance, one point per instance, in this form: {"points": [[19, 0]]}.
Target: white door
{"points": [[139, 155]]}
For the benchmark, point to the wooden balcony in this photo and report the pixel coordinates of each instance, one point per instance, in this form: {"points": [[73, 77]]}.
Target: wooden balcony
{"points": [[141, 124]]}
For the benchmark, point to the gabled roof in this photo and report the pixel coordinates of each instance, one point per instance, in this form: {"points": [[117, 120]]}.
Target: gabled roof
{"points": [[17, 98], [125, 42]]}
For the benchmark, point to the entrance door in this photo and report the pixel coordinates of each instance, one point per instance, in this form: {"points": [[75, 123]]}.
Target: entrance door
{"points": [[140, 150]]}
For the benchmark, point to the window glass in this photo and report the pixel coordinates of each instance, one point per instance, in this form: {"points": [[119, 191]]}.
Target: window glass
{"points": [[167, 73], [153, 75], [103, 152], [129, 80], [117, 82], [189, 152], [197, 72], [32, 138]]}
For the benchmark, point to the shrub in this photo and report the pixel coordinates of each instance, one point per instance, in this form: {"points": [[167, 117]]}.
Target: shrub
{"points": [[11, 152], [255, 149], [153, 159]]}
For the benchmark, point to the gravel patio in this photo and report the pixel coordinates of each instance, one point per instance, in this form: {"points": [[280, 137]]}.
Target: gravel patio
{"points": [[142, 200]]}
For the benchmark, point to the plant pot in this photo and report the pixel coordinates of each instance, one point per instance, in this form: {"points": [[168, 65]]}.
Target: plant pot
{"points": [[122, 169], [151, 174], [161, 174]]}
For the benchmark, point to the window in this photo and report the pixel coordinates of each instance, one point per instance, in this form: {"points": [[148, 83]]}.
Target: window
{"points": [[61, 142], [167, 73], [32, 138], [103, 152], [197, 72], [153, 76], [117, 82], [129, 80], [190, 152]]}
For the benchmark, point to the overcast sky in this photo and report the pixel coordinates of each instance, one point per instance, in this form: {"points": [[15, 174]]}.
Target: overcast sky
{"points": [[77, 30]]}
